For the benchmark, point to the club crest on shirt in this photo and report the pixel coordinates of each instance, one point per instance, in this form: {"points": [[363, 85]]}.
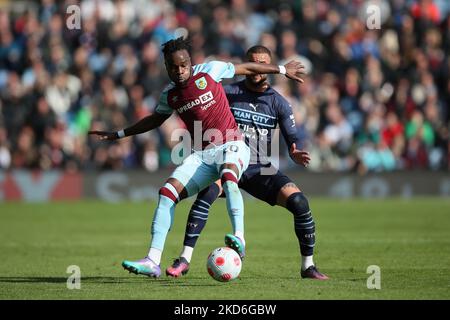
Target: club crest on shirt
{"points": [[201, 83]]}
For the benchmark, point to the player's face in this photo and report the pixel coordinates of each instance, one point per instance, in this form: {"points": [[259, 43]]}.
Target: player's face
{"points": [[258, 79], [179, 67]]}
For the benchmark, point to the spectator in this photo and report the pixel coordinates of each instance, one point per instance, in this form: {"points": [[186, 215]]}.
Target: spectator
{"points": [[374, 100], [5, 154]]}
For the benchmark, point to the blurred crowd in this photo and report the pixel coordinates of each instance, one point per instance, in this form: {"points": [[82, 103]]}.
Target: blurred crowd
{"points": [[374, 100]]}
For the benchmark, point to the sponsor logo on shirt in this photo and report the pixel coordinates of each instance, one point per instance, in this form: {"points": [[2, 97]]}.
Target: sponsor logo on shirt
{"points": [[259, 119], [207, 98], [253, 133]]}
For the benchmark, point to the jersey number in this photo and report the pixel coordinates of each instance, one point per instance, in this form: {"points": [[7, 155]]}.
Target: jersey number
{"points": [[231, 148]]}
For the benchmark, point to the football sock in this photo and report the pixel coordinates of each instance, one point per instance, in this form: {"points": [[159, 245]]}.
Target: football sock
{"points": [[187, 253], [155, 255], [199, 215], [307, 261], [163, 218], [303, 222], [235, 203]]}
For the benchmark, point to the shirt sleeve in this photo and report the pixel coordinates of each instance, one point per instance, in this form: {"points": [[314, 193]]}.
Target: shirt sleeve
{"points": [[217, 70], [286, 121], [163, 105]]}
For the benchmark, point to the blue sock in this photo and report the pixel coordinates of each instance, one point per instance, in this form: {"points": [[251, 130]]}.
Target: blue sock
{"points": [[199, 214], [162, 221], [235, 203]]}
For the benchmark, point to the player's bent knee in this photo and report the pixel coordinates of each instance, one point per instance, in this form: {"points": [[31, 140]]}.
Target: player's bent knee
{"points": [[228, 175], [169, 191], [230, 166], [179, 188], [297, 203]]}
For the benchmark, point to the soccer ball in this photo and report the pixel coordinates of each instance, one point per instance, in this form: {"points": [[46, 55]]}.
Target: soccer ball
{"points": [[224, 264]]}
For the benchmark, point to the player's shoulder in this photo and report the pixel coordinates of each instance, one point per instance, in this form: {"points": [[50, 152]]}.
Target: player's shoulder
{"points": [[234, 88], [214, 68], [208, 65], [163, 103], [167, 88], [165, 92], [279, 100]]}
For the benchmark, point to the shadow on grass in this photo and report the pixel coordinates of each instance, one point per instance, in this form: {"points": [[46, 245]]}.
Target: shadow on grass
{"points": [[107, 280], [63, 279]]}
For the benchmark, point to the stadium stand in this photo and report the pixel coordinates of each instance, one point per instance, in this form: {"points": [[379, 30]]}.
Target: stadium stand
{"points": [[375, 100]]}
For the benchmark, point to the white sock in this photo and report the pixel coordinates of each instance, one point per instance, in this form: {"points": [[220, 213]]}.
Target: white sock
{"points": [[307, 261], [187, 253], [155, 255], [240, 234]]}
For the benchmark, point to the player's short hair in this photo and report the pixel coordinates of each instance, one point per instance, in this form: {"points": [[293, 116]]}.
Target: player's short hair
{"points": [[258, 49], [175, 45]]}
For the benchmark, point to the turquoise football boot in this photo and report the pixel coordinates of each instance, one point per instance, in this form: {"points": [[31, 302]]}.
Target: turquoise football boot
{"points": [[144, 266], [236, 244]]}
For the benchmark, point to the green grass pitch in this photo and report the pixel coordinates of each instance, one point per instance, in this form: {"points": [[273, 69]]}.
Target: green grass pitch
{"points": [[408, 240]]}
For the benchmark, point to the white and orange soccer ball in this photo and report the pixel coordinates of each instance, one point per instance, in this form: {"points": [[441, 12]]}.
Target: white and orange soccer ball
{"points": [[224, 264]]}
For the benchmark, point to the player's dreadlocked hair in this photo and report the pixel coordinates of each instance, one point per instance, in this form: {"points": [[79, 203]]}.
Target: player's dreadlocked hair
{"points": [[258, 49], [175, 45]]}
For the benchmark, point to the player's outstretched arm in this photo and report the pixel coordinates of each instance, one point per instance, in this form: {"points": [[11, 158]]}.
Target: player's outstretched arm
{"points": [[145, 124], [293, 69], [299, 156]]}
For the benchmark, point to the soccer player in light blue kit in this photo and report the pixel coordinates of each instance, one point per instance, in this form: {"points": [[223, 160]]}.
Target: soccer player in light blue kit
{"points": [[197, 95]]}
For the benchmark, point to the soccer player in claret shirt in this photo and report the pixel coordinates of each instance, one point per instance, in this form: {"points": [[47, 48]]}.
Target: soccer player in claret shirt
{"points": [[197, 95], [258, 109]]}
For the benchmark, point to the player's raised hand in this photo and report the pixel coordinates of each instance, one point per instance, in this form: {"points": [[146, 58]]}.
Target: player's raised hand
{"points": [[105, 135], [295, 70], [299, 156]]}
